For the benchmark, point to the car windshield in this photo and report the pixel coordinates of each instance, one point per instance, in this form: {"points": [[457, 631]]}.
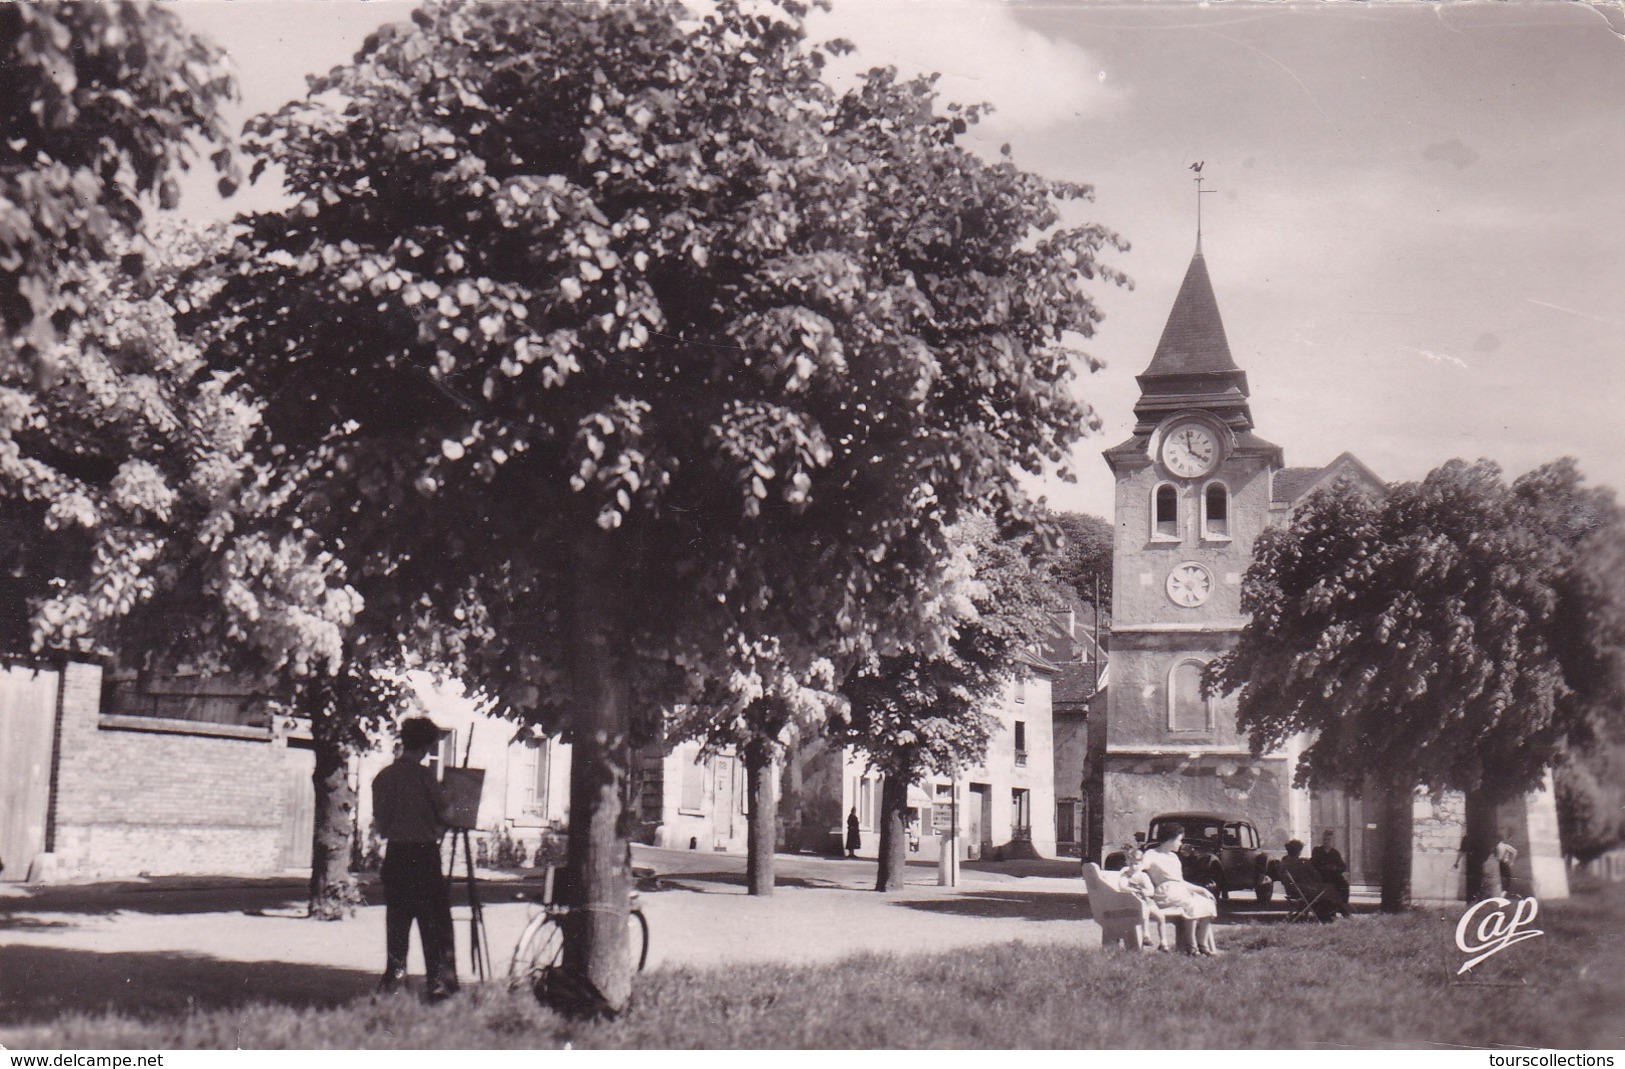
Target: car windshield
{"points": [[1195, 831]]}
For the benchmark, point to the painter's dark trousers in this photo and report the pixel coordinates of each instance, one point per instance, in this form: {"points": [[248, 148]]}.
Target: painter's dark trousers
{"points": [[415, 890]]}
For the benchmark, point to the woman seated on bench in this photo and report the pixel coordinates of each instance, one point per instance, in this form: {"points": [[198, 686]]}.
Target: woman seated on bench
{"points": [[1171, 894]]}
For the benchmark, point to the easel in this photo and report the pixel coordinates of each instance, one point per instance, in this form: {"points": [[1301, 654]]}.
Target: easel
{"points": [[478, 947]]}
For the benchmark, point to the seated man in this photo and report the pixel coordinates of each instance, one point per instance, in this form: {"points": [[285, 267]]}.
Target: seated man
{"points": [[1305, 882], [1329, 861], [1294, 852]]}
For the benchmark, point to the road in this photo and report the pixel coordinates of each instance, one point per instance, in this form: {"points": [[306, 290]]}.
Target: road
{"points": [[144, 945]]}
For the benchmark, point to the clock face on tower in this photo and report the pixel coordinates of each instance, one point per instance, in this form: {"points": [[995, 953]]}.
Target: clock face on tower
{"points": [[1189, 585], [1190, 450]]}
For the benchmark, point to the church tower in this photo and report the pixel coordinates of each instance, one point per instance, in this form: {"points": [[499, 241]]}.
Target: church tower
{"points": [[1194, 490]]}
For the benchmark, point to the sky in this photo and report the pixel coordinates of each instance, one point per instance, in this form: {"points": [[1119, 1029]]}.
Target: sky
{"points": [[1415, 230]]}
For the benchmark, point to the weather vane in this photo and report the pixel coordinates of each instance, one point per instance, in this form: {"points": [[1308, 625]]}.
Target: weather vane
{"points": [[1197, 167]]}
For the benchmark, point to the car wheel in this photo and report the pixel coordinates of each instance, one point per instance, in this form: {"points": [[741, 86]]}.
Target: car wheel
{"points": [[1115, 861]]}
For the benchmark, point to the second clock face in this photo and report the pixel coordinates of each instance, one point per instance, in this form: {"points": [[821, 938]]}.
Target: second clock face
{"points": [[1189, 585], [1190, 450]]}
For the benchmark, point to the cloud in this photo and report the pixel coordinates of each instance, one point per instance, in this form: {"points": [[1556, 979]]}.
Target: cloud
{"points": [[1439, 358], [1452, 151], [983, 53]]}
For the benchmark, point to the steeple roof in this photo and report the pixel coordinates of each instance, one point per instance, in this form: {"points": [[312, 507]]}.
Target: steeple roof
{"points": [[1192, 367], [1193, 341]]}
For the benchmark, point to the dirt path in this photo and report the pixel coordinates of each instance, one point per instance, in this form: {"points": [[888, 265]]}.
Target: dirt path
{"points": [[164, 946]]}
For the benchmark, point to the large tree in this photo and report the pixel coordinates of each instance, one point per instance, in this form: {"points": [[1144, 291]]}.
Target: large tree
{"points": [[924, 708], [146, 518], [1455, 634], [629, 338], [1083, 558], [760, 705], [101, 105], [1590, 787]]}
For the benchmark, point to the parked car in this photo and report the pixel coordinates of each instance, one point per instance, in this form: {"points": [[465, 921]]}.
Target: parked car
{"points": [[1222, 853]]}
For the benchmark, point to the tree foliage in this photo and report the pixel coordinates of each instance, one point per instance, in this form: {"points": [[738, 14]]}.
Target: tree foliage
{"points": [[101, 104], [138, 461], [151, 521], [1590, 786], [632, 344], [924, 709], [1452, 629], [1083, 558], [606, 267], [1459, 633]]}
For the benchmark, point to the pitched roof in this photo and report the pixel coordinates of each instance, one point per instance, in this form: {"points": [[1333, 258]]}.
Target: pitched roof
{"points": [[1291, 484], [1193, 341], [1074, 684]]}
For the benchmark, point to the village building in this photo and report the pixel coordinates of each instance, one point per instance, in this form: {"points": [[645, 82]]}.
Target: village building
{"points": [[691, 797], [1004, 806]]}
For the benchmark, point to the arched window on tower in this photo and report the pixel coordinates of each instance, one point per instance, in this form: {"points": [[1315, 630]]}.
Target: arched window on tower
{"points": [[1188, 710], [1165, 510], [1216, 511]]}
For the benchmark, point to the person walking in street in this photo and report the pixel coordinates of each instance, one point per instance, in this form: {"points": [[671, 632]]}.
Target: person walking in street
{"points": [[409, 811], [854, 837]]}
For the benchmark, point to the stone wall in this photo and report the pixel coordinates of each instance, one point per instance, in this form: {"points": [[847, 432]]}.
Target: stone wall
{"points": [[1437, 821], [1252, 789], [1142, 560], [129, 800]]}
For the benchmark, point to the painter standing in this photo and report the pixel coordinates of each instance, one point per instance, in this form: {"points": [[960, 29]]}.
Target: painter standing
{"points": [[409, 811]]}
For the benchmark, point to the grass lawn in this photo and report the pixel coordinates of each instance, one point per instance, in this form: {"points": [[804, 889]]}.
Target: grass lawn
{"points": [[1372, 981]]}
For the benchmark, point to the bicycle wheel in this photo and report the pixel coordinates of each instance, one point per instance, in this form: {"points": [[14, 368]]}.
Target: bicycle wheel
{"points": [[539, 952], [637, 936]]}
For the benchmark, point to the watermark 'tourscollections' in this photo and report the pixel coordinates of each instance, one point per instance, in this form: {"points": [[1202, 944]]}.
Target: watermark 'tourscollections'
{"points": [[1495, 924]]}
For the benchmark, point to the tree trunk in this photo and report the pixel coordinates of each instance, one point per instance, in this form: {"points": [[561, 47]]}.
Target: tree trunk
{"points": [[333, 890], [762, 838], [1396, 847], [893, 836], [596, 952], [1478, 842]]}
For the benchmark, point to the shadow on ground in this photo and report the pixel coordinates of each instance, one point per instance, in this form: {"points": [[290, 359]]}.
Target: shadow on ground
{"points": [[726, 882], [180, 895], [161, 896], [1052, 868], [14, 923], [1018, 905], [38, 984]]}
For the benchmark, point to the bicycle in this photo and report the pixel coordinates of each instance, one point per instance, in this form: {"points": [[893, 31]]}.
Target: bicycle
{"points": [[538, 957]]}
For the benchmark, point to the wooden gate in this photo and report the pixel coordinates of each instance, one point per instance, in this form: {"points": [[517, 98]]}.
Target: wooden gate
{"points": [[298, 808], [27, 730], [1354, 824]]}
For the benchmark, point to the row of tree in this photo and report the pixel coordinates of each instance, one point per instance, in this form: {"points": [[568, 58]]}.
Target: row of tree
{"points": [[606, 357], [1459, 633]]}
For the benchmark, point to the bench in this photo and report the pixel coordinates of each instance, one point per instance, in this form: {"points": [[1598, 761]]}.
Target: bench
{"points": [[1123, 916]]}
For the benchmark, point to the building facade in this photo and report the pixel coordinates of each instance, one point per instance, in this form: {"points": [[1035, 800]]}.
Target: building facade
{"points": [[1005, 806]]}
